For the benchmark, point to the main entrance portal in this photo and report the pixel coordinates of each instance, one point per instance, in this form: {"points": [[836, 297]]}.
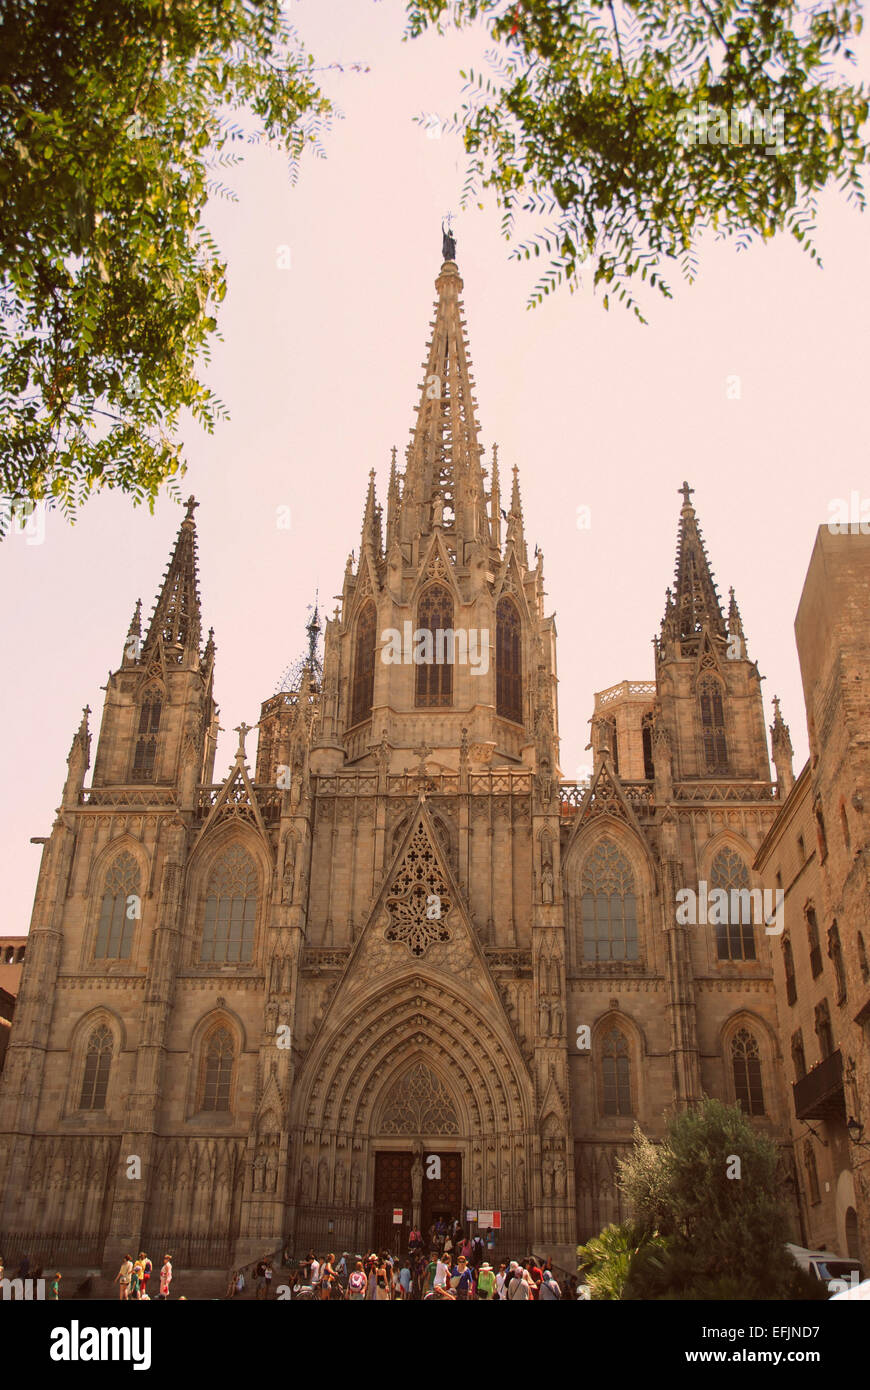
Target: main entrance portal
{"points": [[441, 1199]]}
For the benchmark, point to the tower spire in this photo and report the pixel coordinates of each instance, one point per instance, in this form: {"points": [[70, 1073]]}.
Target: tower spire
{"points": [[694, 603], [780, 742], [443, 477], [176, 616]]}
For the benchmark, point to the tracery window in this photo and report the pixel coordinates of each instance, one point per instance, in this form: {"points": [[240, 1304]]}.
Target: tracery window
{"points": [[435, 678], [420, 1104], [616, 1074], [98, 1064], [120, 909], [364, 665], [608, 906], [418, 904], [746, 1066], [230, 908], [508, 662], [735, 938], [146, 737], [712, 724], [217, 1071]]}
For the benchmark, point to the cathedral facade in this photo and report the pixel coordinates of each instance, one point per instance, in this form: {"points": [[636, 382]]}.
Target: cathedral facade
{"points": [[254, 1011]]}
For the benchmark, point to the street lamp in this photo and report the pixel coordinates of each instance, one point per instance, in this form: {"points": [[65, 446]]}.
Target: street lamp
{"points": [[855, 1130]]}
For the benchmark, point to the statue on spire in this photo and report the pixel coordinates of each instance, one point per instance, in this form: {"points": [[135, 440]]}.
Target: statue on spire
{"points": [[448, 240]]}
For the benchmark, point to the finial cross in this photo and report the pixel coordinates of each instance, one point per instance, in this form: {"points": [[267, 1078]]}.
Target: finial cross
{"points": [[687, 493], [191, 504]]}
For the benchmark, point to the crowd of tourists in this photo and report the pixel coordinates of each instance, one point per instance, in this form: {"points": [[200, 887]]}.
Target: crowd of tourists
{"points": [[448, 1265], [134, 1277]]}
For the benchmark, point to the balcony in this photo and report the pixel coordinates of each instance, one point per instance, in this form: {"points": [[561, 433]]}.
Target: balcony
{"points": [[819, 1094]]}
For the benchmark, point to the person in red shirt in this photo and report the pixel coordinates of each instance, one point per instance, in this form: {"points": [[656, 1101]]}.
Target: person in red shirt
{"points": [[536, 1273]]}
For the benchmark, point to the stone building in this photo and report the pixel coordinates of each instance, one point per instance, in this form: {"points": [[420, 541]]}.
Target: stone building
{"points": [[818, 852], [258, 1009]]}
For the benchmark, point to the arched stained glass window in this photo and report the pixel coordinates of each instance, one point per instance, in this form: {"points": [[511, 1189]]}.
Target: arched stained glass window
{"points": [[435, 677], [118, 914], [735, 937], [608, 906], [508, 662], [230, 909], [146, 738], [712, 724], [98, 1064], [746, 1065], [217, 1072], [363, 665], [616, 1074]]}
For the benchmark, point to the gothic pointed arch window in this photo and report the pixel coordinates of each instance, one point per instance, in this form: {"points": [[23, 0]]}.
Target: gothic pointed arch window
{"points": [[98, 1064], [735, 937], [216, 1071], [434, 677], [230, 909], [608, 906], [508, 661], [616, 1073], [746, 1070], [145, 754], [119, 910], [362, 690], [712, 715]]}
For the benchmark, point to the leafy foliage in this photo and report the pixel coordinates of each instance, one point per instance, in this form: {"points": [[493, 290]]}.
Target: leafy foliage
{"points": [[723, 1236], [582, 119], [607, 1261], [115, 118]]}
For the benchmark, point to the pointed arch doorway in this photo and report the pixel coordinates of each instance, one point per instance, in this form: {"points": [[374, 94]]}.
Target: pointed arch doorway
{"points": [[418, 1129]]}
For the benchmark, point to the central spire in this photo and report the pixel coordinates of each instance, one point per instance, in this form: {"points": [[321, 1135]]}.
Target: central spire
{"points": [[695, 601], [443, 482]]}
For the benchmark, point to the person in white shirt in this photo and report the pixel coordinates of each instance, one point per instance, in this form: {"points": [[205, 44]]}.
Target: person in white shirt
{"points": [[315, 1272], [500, 1281], [442, 1274]]}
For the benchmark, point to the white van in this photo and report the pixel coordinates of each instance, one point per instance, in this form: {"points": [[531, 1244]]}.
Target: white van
{"points": [[832, 1270]]}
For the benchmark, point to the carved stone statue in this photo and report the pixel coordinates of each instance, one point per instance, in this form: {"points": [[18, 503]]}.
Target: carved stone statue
{"points": [[271, 1169], [354, 1186], [259, 1169], [547, 1174], [560, 1176], [339, 1181], [322, 1181], [544, 1019], [556, 1016], [305, 1179], [448, 244], [521, 1181], [289, 867], [546, 884], [437, 509]]}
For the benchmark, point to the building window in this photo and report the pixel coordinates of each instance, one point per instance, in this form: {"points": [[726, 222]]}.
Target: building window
{"points": [[862, 959], [608, 906], [798, 1056], [646, 731], [230, 909], [435, 678], [98, 1064], [118, 914], [820, 831], [217, 1073], [146, 738], [813, 939], [802, 850], [712, 724], [735, 938], [788, 962], [812, 1174], [363, 687], [844, 825], [616, 1074], [746, 1065], [824, 1032], [835, 952], [508, 662]]}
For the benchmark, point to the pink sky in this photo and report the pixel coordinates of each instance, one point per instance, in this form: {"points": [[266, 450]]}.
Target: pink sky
{"points": [[319, 367]]}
